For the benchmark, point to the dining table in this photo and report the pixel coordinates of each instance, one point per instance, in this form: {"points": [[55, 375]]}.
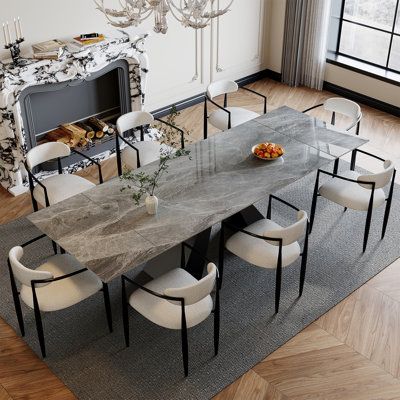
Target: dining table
{"points": [[109, 234]]}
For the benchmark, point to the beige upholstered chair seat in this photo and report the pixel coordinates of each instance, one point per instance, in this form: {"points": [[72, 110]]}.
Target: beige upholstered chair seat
{"points": [[351, 194], [219, 118], [259, 252], [169, 314], [61, 187], [66, 292], [149, 151]]}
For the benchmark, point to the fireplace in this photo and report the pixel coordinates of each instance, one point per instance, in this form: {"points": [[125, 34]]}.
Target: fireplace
{"points": [[105, 80], [105, 94]]}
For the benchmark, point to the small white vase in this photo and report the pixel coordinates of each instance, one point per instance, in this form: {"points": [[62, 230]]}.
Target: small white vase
{"points": [[151, 204]]}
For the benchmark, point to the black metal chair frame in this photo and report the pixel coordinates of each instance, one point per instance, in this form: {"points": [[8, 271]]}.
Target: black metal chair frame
{"points": [[119, 135], [371, 201], [278, 282], [333, 121], [184, 329], [206, 98], [32, 178], [36, 307]]}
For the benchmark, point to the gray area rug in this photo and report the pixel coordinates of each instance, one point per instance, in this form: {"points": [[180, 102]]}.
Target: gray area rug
{"points": [[96, 365]]}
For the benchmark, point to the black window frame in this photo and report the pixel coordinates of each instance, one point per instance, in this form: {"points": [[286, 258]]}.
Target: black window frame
{"points": [[392, 34]]}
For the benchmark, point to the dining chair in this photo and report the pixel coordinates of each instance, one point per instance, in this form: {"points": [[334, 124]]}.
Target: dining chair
{"points": [[58, 187], [348, 108], [176, 300], [340, 105], [139, 152], [227, 117], [60, 282], [267, 244], [361, 192]]}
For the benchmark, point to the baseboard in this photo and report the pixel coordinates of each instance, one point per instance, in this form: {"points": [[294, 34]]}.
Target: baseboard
{"points": [[199, 98], [361, 98], [276, 76]]}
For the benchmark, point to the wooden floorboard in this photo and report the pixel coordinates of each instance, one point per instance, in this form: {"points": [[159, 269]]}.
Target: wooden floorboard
{"points": [[352, 352]]}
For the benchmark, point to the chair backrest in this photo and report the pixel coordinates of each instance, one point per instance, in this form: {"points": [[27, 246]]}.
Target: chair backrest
{"points": [[133, 120], [196, 292], [45, 152], [290, 234], [344, 106], [217, 88], [381, 179], [22, 273]]}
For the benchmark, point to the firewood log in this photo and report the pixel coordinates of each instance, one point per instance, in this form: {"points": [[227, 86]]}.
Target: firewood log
{"points": [[99, 134], [111, 129], [89, 131], [73, 130], [98, 124], [83, 142], [58, 134]]}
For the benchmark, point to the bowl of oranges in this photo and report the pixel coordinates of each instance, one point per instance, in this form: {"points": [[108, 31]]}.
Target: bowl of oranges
{"points": [[268, 151]]}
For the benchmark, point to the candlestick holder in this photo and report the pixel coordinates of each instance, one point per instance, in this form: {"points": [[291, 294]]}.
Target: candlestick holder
{"points": [[15, 51]]}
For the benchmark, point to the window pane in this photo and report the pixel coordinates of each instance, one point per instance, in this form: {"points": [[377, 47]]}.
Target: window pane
{"points": [[364, 43], [379, 14], [394, 62], [397, 27]]}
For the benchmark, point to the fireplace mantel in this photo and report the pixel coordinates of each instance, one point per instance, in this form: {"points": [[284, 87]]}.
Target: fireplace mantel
{"points": [[71, 67]]}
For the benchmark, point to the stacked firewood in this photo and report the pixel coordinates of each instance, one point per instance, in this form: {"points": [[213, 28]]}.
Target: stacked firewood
{"points": [[81, 134]]}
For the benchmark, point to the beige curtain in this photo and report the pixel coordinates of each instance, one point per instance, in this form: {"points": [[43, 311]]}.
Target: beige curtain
{"points": [[305, 42]]}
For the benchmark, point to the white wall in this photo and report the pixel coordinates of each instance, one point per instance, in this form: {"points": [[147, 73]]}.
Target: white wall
{"points": [[276, 26], [366, 85], [171, 56]]}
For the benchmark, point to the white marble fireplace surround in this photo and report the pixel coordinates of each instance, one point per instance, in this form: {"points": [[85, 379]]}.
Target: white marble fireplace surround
{"points": [[71, 66]]}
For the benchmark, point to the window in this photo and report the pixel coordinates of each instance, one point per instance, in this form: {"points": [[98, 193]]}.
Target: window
{"points": [[369, 31]]}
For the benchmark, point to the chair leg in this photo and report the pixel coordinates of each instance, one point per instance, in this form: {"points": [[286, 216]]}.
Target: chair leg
{"points": [[336, 166], [17, 303], [303, 266], [302, 275], [185, 349], [388, 205], [39, 328], [314, 204], [216, 323], [107, 304], [278, 288], [367, 226], [353, 160], [118, 156], [221, 255], [205, 121], [125, 316], [385, 218], [34, 204]]}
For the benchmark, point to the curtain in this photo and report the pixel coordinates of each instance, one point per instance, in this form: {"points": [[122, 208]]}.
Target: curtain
{"points": [[305, 42]]}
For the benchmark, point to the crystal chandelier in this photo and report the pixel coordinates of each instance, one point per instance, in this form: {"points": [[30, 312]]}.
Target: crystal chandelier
{"points": [[190, 13]]}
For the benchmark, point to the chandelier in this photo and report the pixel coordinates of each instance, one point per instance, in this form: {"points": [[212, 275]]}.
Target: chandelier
{"points": [[190, 13]]}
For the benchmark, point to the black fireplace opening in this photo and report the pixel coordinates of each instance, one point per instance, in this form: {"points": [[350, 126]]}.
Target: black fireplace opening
{"points": [[105, 94]]}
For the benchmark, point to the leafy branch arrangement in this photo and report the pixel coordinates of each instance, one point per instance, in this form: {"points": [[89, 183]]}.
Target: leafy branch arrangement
{"points": [[171, 136], [147, 183]]}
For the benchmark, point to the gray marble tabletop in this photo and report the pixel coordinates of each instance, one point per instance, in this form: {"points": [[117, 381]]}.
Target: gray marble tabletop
{"points": [[110, 235]]}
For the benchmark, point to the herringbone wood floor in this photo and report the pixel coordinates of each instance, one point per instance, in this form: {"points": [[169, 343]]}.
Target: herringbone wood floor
{"points": [[352, 352]]}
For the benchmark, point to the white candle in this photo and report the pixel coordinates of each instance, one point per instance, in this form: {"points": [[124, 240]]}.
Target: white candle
{"points": [[20, 29], [5, 34], [8, 32], [16, 29]]}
